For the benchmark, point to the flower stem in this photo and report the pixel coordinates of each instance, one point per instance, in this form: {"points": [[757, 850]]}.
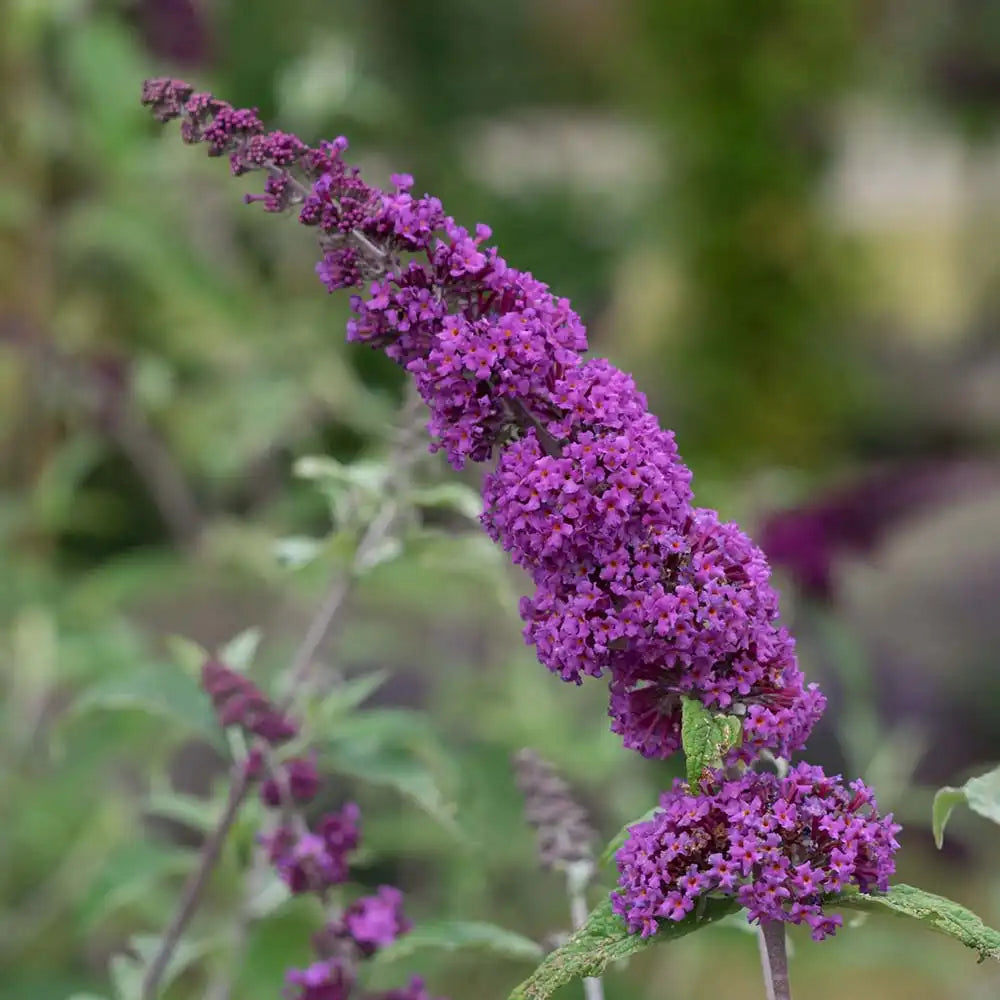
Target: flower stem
{"points": [[191, 896], [578, 876], [774, 959]]}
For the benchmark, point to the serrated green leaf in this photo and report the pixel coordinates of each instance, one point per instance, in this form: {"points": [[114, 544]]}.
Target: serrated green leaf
{"points": [[608, 855], [706, 738], [453, 935], [239, 652], [155, 689], [945, 800], [935, 912], [602, 940]]}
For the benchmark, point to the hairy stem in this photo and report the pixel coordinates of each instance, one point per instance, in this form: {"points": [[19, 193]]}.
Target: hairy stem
{"points": [[774, 959]]}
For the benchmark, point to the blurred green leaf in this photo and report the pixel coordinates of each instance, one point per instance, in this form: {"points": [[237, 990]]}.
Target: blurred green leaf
{"points": [[450, 496], [455, 935], [160, 690], [342, 699], [384, 551], [935, 912], [379, 764], [602, 940], [239, 652], [189, 810], [980, 794], [127, 971], [188, 655], [983, 795], [128, 877], [945, 800], [297, 551]]}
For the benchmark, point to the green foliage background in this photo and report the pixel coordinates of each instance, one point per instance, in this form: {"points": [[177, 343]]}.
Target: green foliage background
{"points": [[166, 353]]}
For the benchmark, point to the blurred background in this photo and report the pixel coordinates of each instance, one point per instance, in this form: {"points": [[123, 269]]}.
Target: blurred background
{"points": [[781, 217]]}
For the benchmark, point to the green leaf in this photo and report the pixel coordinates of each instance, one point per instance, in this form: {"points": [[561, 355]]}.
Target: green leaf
{"points": [[945, 800], [980, 794], [188, 655], [129, 877], [983, 795], [608, 855], [394, 768], [127, 972], [383, 551], [297, 551], [239, 652], [343, 698], [602, 940], [156, 689], [936, 912], [189, 810], [706, 737], [452, 935], [450, 496]]}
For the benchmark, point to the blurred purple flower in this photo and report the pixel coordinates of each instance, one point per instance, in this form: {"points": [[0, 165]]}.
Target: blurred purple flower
{"points": [[239, 702], [175, 31], [808, 540]]}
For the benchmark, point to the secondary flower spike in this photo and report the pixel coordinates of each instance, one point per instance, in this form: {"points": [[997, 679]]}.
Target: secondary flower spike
{"points": [[588, 495], [779, 845]]}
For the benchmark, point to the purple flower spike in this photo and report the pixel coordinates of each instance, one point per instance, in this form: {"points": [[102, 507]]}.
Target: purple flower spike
{"points": [[779, 845], [589, 494]]}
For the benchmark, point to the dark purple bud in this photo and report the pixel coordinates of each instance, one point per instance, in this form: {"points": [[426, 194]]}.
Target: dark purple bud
{"points": [[297, 784], [239, 702]]}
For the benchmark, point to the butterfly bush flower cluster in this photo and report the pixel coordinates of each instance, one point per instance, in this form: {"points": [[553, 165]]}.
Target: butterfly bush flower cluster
{"points": [[588, 494], [631, 581], [309, 858], [776, 844]]}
